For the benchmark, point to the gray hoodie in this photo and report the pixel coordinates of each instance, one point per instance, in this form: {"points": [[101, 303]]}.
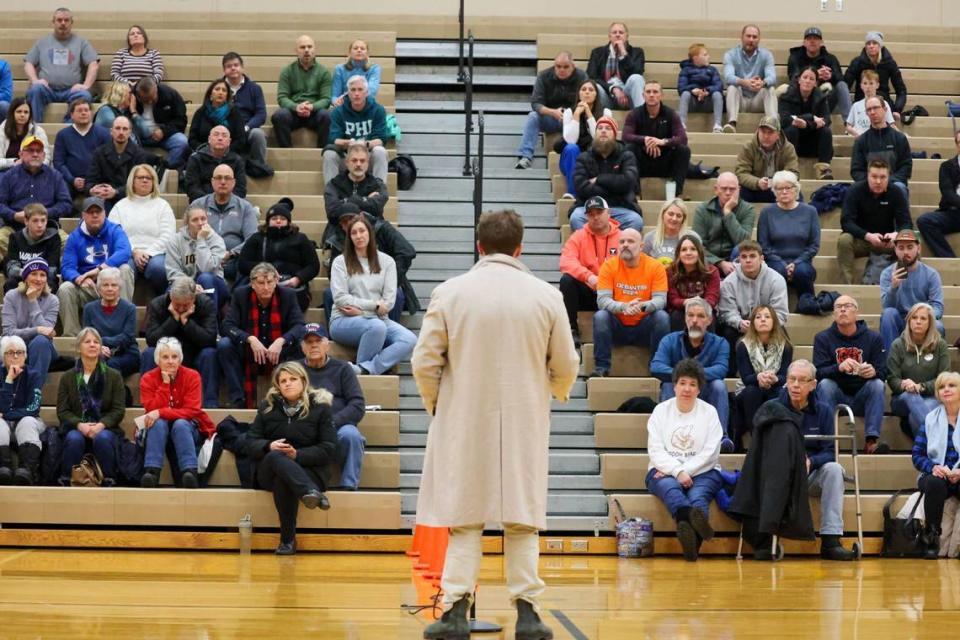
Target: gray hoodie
{"points": [[739, 295], [21, 317], [237, 222], [188, 257]]}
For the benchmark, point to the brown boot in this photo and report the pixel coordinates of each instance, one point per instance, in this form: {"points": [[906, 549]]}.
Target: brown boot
{"points": [[823, 171]]}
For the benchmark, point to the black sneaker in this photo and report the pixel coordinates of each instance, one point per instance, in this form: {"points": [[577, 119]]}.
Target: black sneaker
{"points": [[188, 479], [150, 478]]}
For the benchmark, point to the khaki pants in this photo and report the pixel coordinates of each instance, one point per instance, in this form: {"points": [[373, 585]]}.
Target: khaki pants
{"points": [[849, 249], [461, 569], [764, 101], [7, 231], [73, 298]]}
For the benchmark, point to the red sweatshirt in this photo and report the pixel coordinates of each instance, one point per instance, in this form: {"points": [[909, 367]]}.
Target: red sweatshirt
{"points": [[180, 401]]}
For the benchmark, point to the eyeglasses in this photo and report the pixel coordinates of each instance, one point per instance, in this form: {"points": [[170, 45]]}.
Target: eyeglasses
{"points": [[150, 178], [844, 306], [784, 189], [793, 380], [15, 352], [223, 178]]}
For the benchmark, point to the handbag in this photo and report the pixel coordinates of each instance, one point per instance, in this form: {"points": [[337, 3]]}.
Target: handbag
{"points": [[87, 473], [634, 535], [902, 537]]}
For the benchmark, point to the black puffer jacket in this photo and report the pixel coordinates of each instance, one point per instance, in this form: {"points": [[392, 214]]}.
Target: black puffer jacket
{"points": [[616, 178], [889, 72], [289, 250], [342, 189], [792, 104]]}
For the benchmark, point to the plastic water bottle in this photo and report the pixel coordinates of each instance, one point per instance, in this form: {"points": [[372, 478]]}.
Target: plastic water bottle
{"points": [[246, 534]]}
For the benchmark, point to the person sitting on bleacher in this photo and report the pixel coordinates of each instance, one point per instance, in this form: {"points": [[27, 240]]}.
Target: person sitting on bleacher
{"points": [[292, 441], [617, 67], [698, 80], [115, 319], [196, 251], [765, 154], [348, 405], [90, 408], [30, 313], [672, 224], [709, 349], [190, 317], [37, 239], [118, 101], [303, 93], [631, 296], [805, 118], [174, 419], [20, 394], [249, 102], [579, 130], [684, 437], [657, 138], [233, 218], [875, 57], [18, 125], [554, 90], [936, 225], [750, 75], [872, 215], [608, 172], [360, 119], [137, 59], [851, 367], [6, 88], [905, 283], [357, 64], [61, 66], [583, 253], [882, 142], [354, 184], [97, 243], [812, 54], [28, 182], [112, 164], [789, 232], [690, 276], [763, 355], [198, 176], [75, 144], [282, 244], [160, 120], [857, 120], [723, 222], [218, 110], [262, 327], [935, 456], [915, 360]]}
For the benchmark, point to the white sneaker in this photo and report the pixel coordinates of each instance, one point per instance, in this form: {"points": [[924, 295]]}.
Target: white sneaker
{"points": [[523, 163], [567, 196], [356, 368], [717, 128]]}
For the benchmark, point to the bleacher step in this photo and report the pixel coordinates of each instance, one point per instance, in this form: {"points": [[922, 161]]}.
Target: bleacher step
{"points": [[431, 102], [446, 49]]}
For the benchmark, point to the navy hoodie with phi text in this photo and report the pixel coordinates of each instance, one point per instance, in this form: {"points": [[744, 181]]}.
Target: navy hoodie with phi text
{"points": [[830, 348]]}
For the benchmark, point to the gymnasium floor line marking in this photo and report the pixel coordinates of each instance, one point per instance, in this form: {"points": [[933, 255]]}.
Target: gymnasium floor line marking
{"points": [[567, 623], [16, 556]]}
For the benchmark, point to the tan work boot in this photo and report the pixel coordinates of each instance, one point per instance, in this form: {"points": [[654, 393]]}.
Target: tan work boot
{"points": [[823, 171]]}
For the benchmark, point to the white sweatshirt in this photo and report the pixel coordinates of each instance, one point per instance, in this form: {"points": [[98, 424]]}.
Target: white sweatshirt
{"points": [[679, 441], [148, 223]]}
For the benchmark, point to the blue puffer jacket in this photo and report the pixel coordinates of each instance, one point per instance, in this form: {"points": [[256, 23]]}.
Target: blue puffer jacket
{"points": [[694, 77], [714, 356]]}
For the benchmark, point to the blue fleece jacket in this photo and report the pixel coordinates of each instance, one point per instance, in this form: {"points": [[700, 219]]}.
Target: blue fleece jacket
{"points": [[368, 124], [341, 74], [714, 356], [84, 251], [923, 284], [6, 82], [790, 236], [830, 348], [814, 422], [21, 397], [72, 151], [250, 103], [694, 77]]}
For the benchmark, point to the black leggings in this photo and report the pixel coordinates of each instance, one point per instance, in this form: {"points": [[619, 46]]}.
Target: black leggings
{"points": [[935, 493], [289, 481]]}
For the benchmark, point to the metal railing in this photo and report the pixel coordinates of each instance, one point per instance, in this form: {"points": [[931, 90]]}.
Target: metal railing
{"points": [[467, 79], [477, 170], [460, 65]]}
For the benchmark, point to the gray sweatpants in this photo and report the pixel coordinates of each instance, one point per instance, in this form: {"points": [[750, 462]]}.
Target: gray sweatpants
{"points": [[26, 430]]}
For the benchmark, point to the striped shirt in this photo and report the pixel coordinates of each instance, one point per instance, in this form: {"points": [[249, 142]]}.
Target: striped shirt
{"points": [[920, 460], [130, 68]]}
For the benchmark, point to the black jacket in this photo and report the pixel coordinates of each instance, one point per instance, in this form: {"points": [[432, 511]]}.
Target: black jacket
{"points": [[199, 331], [949, 179], [864, 213], [21, 251], [886, 144], [342, 189], [632, 63], [199, 171], [169, 112], [237, 322], [772, 489], [201, 125], [291, 252], [550, 91], [109, 167], [792, 103], [313, 437], [798, 61], [616, 178], [889, 72]]}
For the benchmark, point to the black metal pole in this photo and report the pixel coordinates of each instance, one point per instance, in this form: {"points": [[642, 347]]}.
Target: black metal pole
{"points": [[460, 66], [478, 185], [468, 111]]}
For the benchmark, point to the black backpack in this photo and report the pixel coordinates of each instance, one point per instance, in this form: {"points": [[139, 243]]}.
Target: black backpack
{"points": [[405, 169]]}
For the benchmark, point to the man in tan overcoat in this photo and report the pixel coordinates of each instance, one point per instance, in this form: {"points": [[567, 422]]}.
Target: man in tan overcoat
{"points": [[494, 346]]}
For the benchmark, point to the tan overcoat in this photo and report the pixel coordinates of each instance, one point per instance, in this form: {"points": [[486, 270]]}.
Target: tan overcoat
{"points": [[495, 345]]}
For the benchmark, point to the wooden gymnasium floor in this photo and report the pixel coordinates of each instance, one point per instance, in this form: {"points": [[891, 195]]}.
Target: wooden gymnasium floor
{"points": [[213, 595]]}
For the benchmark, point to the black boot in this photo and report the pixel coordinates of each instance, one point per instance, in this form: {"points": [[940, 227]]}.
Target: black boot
{"points": [[931, 536], [529, 625], [832, 549], [150, 478], [453, 624], [6, 473], [686, 535], [26, 473]]}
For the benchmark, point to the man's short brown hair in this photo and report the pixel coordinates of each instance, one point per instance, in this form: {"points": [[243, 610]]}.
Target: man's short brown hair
{"points": [[879, 163], [34, 209], [500, 231], [750, 245]]}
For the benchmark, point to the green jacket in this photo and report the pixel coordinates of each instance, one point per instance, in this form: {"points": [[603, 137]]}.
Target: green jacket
{"points": [[111, 404], [297, 85], [922, 369], [751, 165], [720, 234]]}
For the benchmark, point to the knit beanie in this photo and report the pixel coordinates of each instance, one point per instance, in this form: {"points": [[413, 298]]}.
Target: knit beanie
{"points": [[37, 264], [874, 36], [613, 124], [283, 207]]}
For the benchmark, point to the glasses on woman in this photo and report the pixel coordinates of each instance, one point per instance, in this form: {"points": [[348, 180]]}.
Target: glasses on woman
{"points": [[147, 177], [17, 353]]}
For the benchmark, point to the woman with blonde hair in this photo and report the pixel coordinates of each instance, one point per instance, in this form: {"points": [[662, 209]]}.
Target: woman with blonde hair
{"points": [[293, 440], [116, 102], [672, 224], [357, 64], [916, 358]]}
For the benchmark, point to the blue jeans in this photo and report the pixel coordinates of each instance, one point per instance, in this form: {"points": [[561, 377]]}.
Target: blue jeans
{"points": [[531, 130], [205, 362], [103, 445], [914, 407], [568, 162], [628, 218], [221, 293], [127, 363], [713, 393], [804, 275], [350, 444], [867, 402], [39, 96], [40, 353], [608, 331], [154, 272], [633, 87], [176, 146], [185, 438], [380, 343], [698, 496], [892, 324]]}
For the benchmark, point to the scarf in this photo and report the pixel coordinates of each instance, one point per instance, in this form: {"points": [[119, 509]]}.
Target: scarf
{"points": [[291, 410], [217, 115], [611, 72], [936, 428], [252, 369], [769, 161], [90, 391], [764, 358]]}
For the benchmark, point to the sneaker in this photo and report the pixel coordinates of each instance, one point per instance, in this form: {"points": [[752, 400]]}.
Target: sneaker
{"points": [[567, 196], [730, 127], [599, 373], [188, 479], [523, 163], [877, 447], [357, 369], [717, 128], [726, 445], [150, 478]]}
